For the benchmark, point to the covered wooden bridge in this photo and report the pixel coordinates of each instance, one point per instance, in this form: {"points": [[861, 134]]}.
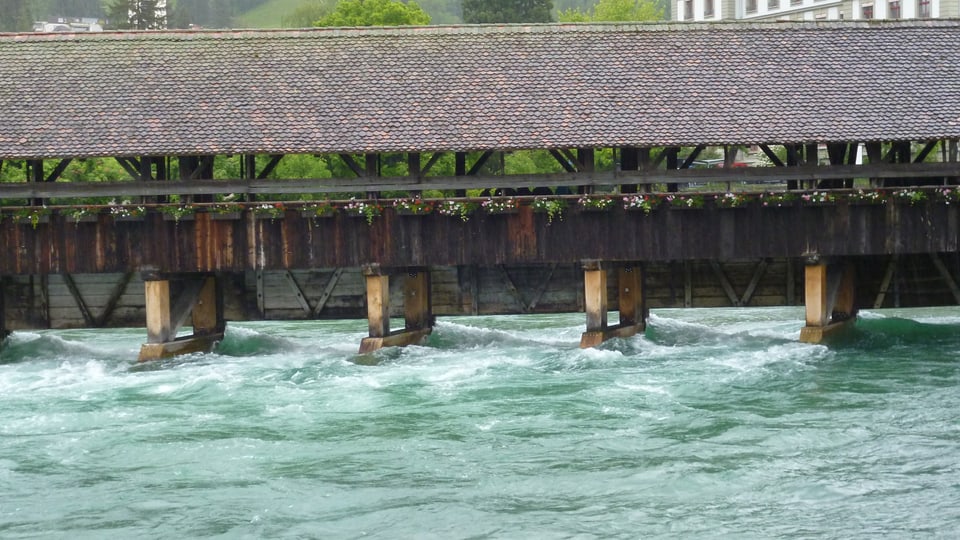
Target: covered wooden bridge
{"points": [[856, 122]]}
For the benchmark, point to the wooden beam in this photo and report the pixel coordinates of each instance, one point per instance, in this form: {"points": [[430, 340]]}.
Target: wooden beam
{"points": [[417, 304], [926, 151], [131, 165], [115, 294], [595, 297], [159, 323], [775, 159], [297, 291], [480, 163], [88, 317], [378, 305], [563, 160], [261, 300], [327, 291], [725, 283], [631, 295], [815, 295], [431, 162], [352, 164], [58, 170], [885, 282], [947, 278], [340, 185], [508, 281], [541, 289], [270, 166], [758, 272], [207, 311]]}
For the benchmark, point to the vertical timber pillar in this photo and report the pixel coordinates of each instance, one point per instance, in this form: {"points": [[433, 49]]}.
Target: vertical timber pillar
{"points": [[630, 299], [417, 309], [3, 309], [200, 298], [829, 300]]}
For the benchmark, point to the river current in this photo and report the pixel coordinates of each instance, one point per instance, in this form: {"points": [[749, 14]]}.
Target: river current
{"points": [[715, 423]]}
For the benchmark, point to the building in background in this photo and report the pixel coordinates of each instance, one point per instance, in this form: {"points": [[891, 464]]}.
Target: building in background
{"points": [[811, 10]]}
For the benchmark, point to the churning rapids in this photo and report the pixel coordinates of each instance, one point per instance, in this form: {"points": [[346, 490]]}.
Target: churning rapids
{"points": [[715, 423]]}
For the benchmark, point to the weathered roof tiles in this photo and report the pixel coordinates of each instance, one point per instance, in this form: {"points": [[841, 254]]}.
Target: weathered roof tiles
{"points": [[476, 88]]}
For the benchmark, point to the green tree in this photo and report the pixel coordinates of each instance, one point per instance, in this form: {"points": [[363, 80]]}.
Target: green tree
{"points": [[375, 13], [507, 11], [178, 16], [615, 10], [16, 16], [135, 15]]}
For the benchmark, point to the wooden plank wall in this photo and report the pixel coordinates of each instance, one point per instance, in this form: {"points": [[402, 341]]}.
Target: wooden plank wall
{"points": [[34, 302]]}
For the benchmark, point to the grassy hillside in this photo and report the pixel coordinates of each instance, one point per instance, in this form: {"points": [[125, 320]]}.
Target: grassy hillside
{"points": [[267, 15]]}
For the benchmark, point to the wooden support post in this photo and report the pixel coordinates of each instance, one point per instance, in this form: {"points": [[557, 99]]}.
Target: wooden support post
{"points": [[3, 309], [418, 311], [378, 305], [829, 299], [159, 324], [595, 295], [630, 302], [201, 298]]}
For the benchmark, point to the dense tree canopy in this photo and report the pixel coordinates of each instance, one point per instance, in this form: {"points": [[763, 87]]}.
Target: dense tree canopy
{"points": [[507, 11], [136, 15], [375, 13], [16, 16], [615, 10]]}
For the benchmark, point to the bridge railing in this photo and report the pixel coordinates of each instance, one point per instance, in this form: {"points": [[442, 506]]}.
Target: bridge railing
{"points": [[809, 176]]}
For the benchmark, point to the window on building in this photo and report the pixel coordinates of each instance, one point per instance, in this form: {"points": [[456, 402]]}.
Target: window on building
{"points": [[866, 11], [893, 9], [924, 9], [796, 2], [688, 10], [773, 4], [708, 8], [751, 6]]}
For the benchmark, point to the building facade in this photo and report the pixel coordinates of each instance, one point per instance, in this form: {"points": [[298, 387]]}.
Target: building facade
{"points": [[810, 10]]}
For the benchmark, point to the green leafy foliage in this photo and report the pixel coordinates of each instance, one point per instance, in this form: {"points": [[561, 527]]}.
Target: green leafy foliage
{"points": [[615, 10], [507, 11], [375, 13]]}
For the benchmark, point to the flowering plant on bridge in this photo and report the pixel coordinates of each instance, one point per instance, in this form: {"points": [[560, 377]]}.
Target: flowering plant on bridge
{"points": [[460, 209], [368, 210], [910, 196], [500, 205], [178, 211], [226, 208], [646, 203], [127, 211], [269, 210], [552, 207], [78, 213], [321, 209], [818, 197], [777, 199], [594, 202], [415, 206], [730, 200], [685, 201], [867, 197], [948, 195], [33, 214]]}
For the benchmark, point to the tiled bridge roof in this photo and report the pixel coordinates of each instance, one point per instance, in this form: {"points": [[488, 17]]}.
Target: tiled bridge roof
{"points": [[476, 88]]}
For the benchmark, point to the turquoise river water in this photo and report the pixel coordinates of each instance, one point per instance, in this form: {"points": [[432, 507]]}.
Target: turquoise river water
{"points": [[715, 424]]}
